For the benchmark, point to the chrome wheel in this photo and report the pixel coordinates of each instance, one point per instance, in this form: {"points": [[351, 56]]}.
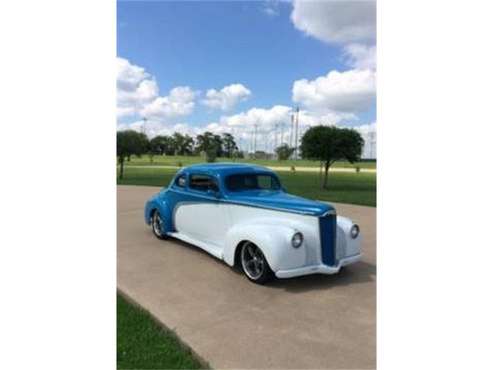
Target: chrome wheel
{"points": [[157, 224], [253, 261]]}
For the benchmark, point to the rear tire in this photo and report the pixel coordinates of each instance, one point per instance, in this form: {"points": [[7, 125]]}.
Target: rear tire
{"points": [[254, 264], [157, 225]]}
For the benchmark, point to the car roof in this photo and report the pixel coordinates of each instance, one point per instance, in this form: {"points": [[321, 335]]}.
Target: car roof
{"points": [[224, 169]]}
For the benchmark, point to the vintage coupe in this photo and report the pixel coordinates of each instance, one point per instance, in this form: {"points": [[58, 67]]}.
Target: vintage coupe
{"points": [[242, 215]]}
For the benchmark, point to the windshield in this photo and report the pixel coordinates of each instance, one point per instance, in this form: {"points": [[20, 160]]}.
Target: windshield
{"points": [[247, 181]]}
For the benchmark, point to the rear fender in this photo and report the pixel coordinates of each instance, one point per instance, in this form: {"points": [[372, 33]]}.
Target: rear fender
{"points": [[160, 204]]}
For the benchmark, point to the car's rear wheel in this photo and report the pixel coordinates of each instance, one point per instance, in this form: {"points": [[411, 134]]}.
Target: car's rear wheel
{"points": [[254, 264], [157, 224]]}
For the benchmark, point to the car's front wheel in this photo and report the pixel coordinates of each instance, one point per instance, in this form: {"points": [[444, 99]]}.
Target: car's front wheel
{"points": [[157, 224], [254, 264]]}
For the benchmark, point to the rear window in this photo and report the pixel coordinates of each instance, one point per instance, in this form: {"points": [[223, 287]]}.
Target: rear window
{"points": [[242, 182]]}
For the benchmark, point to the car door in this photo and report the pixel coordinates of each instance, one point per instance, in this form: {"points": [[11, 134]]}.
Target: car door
{"points": [[203, 216]]}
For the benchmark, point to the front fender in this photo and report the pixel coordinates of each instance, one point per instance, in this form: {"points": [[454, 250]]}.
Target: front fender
{"points": [[273, 240], [346, 245]]}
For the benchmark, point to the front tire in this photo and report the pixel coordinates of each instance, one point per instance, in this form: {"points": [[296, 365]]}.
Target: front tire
{"points": [[254, 264], [157, 224]]}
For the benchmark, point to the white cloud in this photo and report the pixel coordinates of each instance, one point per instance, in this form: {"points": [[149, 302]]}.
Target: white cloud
{"points": [[242, 125], [361, 56], [271, 8], [226, 98], [179, 102], [138, 94], [264, 118], [336, 21], [153, 128], [350, 91], [129, 76], [135, 88], [369, 134]]}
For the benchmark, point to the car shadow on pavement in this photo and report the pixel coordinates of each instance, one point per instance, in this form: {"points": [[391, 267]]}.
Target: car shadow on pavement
{"points": [[360, 272]]}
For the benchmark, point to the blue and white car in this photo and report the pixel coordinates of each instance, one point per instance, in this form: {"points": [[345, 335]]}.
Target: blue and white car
{"points": [[241, 214]]}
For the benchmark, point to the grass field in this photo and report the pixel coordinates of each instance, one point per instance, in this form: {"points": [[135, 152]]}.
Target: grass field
{"points": [[143, 344], [354, 188], [186, 161]]}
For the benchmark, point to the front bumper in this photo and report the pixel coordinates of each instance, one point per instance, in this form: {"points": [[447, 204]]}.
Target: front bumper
{"points": [[318, 269]]}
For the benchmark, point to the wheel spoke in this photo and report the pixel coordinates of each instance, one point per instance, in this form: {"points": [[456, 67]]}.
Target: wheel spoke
{"points": [[258, 270], [250, 251], [253, 261], [157, 224]]}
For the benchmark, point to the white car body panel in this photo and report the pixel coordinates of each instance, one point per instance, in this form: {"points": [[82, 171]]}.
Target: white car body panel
{"points": [[219, 227]]}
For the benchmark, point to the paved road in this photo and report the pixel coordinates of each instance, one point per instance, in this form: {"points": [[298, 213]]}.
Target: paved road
{"points": [[310, 322]]}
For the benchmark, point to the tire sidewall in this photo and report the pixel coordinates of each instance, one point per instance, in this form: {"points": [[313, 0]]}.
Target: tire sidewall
{"points": [[159, 236], [266, 275]]}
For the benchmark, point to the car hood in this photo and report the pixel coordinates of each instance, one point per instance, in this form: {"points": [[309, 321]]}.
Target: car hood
{"points": [[281, 201]]}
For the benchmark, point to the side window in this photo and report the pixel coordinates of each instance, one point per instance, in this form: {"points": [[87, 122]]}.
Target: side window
{"points": [[203, 183], [181, 181]]}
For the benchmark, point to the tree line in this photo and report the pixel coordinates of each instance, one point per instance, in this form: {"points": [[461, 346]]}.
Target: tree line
{"points": [[130, 142], [326, 144]]}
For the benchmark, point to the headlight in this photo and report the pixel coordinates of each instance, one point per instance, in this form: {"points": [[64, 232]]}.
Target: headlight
{"points": [[297, 240], [354, 231]]}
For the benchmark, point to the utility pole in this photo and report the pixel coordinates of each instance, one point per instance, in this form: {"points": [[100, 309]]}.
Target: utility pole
{"points": [[372, 145], [255, 139], [144, 131], [296, 133], [282, 133], [291, 133], [275, 136], [251, 142]]}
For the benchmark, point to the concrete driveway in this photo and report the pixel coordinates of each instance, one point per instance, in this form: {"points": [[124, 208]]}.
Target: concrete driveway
{"points": [[315, 321]]}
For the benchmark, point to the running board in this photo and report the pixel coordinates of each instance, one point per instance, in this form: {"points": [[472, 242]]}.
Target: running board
{"points": [[209, 248]]}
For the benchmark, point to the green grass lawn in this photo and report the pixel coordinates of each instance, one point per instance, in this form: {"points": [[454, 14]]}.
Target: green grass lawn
{"points": [[186, 161], [344, 187], [144, 344]]}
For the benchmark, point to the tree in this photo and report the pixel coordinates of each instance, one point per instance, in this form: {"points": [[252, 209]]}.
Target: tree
{"points": [[284, 152], [183, 144], [229, 145], [157, 145], [170, 145], [329, 144], [188, 145], [130, 142], [205, 142], [218, 144]]}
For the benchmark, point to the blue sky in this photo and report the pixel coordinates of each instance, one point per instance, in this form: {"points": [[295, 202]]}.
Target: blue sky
{"points": [[262, 48]]}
